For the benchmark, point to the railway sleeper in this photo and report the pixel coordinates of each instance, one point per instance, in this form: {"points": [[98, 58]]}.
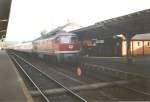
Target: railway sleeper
{"points": [[114, 72], [84, 87]]}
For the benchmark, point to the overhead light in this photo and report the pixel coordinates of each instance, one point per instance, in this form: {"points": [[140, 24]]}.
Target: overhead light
{"points": [[2, 31], [4, 20], [3, 36]]}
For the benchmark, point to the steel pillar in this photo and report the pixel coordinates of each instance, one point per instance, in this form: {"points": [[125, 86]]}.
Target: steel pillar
{"points": [[128, 56], [128, 50], [143, 47]]}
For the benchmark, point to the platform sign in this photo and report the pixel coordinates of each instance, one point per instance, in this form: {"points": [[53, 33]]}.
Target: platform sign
{"points": [[100, 41]]}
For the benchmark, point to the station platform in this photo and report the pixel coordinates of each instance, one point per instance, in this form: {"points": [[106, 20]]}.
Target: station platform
{"points": [[140, 64], [12, 88], [136, 59], [106, 59]]}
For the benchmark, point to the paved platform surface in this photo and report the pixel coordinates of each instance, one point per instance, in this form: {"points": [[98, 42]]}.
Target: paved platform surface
{"points": [[140, 65], [144, 60], [107, 59], [12, 88]]}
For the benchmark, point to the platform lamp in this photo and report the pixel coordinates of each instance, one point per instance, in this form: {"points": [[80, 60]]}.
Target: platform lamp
{"points": [[4, 20], [3, 38]]}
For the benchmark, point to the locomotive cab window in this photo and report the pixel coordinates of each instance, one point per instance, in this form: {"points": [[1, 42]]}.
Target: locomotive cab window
{"points": [[68, 39], [65, 39]]}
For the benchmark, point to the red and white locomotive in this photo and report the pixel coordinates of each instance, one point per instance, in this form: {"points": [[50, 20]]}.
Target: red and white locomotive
{"points": [[64, 46], [56, 45]]}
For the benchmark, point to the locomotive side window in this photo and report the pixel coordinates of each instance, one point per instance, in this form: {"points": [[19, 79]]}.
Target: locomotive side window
{"points": [[57, 40]]}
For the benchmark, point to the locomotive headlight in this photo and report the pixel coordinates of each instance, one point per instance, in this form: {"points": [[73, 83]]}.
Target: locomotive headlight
{"points": [[70, 46]]}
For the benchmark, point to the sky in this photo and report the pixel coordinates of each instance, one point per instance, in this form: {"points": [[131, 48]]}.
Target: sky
{"points": [[29, 17]]}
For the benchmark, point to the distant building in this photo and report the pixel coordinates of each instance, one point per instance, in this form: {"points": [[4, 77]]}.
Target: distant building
{"points": [[7, 44], [72, 26], [140, 45]]}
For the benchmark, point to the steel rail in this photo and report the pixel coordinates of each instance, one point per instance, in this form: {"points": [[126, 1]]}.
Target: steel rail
{"points": [[39, 90], [127, 73], [49, 77], [135, 90], [83, 87], [115, 70], [73, 80]]}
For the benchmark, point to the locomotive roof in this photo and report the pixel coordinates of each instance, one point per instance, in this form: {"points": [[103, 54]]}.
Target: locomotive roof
{"points": [[53, 35]]}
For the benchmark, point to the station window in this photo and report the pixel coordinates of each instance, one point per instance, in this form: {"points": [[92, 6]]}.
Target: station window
{"points": [[138, 43], [148, 44]]}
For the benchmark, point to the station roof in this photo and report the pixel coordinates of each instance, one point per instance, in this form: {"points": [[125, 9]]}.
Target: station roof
{"points": [[4, 16], [145, 37], [131, 24]]}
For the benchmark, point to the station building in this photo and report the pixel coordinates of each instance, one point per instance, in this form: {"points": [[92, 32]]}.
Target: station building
{"points": [[116, 46], [140, 45]]}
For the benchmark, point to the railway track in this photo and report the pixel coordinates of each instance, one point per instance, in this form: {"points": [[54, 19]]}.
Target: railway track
{"points": [[77, 88], [120, 75], [21, 63], [98, 91], [141, 68], [68, 73]]}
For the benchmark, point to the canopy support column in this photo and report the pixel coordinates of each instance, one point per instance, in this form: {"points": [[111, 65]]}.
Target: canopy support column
{"points": [[128, 48], [128, 55]]}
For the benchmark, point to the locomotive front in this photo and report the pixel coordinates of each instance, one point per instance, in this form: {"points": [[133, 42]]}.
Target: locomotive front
{"points": [[67, 47]]}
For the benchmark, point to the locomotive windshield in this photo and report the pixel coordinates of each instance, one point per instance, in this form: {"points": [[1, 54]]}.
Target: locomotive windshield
{"points": [[66, 39]]}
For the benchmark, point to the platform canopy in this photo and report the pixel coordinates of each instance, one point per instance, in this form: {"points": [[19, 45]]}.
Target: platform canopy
{"points": [[131, 24], [4, 16]]}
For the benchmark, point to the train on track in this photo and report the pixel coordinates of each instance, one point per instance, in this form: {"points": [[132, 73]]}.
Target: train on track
{"points": [[56, 45]]}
